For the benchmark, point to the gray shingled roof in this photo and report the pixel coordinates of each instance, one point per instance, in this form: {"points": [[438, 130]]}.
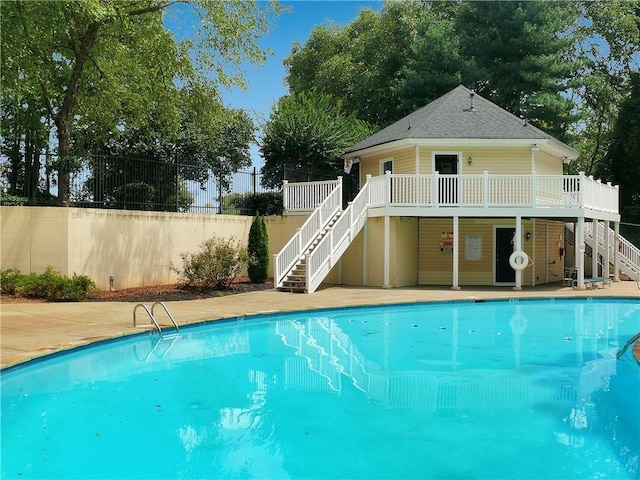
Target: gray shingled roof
{"points": [[450, 116]]}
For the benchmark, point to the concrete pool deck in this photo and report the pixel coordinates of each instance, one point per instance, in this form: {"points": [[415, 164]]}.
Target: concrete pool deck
{"points": [[30, 330]]}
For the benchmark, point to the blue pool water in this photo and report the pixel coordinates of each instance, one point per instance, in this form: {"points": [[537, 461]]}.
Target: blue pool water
{"points": [[510, 389]]}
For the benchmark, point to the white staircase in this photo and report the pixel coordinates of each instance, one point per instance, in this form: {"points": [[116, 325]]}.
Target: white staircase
{"points": [[296, 280], [628, 254], [313, 251]]}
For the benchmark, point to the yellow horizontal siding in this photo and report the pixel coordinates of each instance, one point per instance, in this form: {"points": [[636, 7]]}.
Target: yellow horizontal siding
{"points": [[496, 160], [404, 161], [434, 267], [546, 164]]}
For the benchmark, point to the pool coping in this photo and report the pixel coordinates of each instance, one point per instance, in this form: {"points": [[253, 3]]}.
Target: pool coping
{"points": [[33, 330]]}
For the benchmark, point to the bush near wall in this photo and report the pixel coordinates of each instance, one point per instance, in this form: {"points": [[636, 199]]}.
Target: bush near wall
{"points": [[215, 266], [49, 285]]}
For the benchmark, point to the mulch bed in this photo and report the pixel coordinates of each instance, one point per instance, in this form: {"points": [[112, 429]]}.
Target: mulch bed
{"points": [[161, 293]]}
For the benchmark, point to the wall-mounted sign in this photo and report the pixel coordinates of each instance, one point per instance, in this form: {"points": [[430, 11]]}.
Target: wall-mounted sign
{"points": [[473, 248], [446, 242]]}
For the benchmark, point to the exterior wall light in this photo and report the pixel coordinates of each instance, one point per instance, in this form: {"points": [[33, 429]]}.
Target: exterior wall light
{"points": [[469, 160]]}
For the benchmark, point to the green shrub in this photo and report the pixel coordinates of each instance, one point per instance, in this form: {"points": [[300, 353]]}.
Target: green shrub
{"points": [[49, 285], [258, 247], [10, 280], [77, 287], [217, 264], [42, 285]]}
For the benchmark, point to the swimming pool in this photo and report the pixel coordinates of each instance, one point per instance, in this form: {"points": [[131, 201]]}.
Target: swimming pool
{"points": [[504, 389]]}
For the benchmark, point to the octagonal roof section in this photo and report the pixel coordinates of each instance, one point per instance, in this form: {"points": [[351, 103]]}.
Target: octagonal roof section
{"points": [[459, 114]]}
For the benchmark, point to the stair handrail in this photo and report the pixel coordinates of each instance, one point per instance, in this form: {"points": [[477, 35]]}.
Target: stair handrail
{"points": [[632, 340], [628, 253], [338, 238], [284, 260]]}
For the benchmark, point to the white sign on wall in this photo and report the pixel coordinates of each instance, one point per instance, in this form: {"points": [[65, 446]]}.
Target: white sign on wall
{"points": [[473, 248]]}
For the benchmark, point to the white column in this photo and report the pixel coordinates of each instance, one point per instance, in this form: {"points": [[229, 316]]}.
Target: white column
{"points": [[579, 253], [365, 254], [517, 247], [533, 252], [616, 254], [594, 250], [387, 241], [456, 250], [607, 247]]}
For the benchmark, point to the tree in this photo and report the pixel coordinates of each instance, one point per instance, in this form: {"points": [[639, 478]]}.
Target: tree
{"points": [[212, 136], [434, 64], [522, 60], [621, 165], [258, 249], [608, 42], [307, 131], [68, 53], [357, 64]]}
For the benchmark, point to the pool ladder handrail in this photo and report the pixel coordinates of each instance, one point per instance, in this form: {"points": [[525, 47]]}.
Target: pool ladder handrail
{"points": [[152, 317], [632, 340]]}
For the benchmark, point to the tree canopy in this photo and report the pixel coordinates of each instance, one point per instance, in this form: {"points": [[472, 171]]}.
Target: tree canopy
{"points": [[98, 69], [307, 132]]}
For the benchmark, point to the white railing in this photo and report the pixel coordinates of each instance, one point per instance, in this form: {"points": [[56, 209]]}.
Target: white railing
{"points": [[599, 196], [485, 190], [310, 229], [329, 250], [391, 190], [306, 196], [628, 253]]}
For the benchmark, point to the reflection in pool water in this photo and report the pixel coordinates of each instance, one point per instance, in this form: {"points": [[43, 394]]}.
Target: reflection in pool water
{"points": [[513, 389]]}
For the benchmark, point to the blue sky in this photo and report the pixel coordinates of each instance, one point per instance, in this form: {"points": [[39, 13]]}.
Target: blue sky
{"points": [[265, 83]]}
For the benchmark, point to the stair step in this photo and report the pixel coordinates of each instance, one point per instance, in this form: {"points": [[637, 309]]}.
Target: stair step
{"points": [[292, 289]]}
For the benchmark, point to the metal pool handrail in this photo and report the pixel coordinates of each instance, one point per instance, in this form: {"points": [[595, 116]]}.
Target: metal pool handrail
{"points": [[632, 340], [150, 316], [168, 313]]}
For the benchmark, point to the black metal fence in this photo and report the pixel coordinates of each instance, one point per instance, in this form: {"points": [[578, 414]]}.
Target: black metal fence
{"points": [[127, 183]]}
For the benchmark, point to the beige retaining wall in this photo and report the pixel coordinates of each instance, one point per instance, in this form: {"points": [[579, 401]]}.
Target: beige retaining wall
{"points": [[135, 247]]}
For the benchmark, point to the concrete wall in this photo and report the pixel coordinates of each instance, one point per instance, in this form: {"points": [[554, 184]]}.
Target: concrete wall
{"points": [[137, 248]]}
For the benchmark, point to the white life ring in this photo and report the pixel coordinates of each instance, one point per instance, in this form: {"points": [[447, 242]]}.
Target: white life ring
{"points": [[519, 260]]}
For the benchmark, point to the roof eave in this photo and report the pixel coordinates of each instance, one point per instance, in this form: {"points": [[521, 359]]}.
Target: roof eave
{"points": [[548, 145]]}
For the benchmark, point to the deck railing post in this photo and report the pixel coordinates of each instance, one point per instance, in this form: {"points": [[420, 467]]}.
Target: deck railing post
{"points": [[582, 185], [485, 189], [435, 189], [387, 191], [285, 194], [533, 188]]}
